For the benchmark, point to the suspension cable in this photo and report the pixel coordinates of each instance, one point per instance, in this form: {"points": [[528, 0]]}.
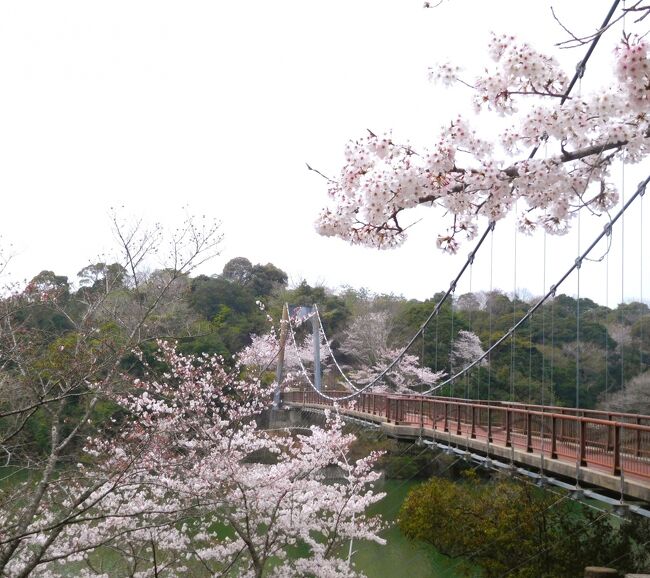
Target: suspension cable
{"points": [[489, 396], [543, 356], [552, 364], [606, 329], [544, 328], [580, 69], [451, 345], [579, 73], [422, 351], [551, 292], [530, 360], [514, 313], [622, 344], [469, 316], [434, 313], [302, 366], [436, 357], [578, 263], [641, 364]]}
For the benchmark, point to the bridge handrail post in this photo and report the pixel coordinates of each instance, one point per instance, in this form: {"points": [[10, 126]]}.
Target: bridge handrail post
{"points": [[638, 438], [583, 442], [529, 432], [446, 429], [489, 424], [434, 416], [610, 434], [421, 414], [388, 406], [459, 430], [473, 432], [508, 427], [554, 437], [617, 449]]}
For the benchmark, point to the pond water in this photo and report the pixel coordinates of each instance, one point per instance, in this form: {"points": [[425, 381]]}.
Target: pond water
{"points": [[400, 556]]}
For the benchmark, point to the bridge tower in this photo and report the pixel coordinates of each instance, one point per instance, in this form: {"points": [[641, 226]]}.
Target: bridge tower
{"points": [[302, 312], [284, 326]]}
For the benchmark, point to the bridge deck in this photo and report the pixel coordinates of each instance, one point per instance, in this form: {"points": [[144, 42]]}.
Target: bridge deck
{"points": [[605, 449]]}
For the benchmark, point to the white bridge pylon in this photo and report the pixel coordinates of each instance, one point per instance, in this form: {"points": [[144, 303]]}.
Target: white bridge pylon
{"points": [[298, 315]]}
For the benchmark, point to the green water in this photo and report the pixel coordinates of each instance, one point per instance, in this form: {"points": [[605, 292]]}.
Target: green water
{"points": [[399, 556]]}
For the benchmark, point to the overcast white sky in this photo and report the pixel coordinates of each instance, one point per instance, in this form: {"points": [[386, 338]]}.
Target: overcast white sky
{"points": [[216, 106]]}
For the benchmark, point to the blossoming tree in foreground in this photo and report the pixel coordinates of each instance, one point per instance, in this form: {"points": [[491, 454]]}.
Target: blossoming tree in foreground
{"points": [[468, 177], [187, 484]]}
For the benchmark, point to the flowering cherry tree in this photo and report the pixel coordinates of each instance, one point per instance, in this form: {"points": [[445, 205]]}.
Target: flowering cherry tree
{"points": [[406, 376], [262, 353], [169, 474], [466, 349], [366, 341], [55, 384], [470, 177], [186, 484]]}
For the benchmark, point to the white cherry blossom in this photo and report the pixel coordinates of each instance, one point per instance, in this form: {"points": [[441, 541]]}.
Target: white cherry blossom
{"points": [[467, 177]]}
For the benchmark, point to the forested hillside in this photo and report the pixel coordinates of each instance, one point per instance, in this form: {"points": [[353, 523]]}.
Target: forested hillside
{"points": [[219, 314]]}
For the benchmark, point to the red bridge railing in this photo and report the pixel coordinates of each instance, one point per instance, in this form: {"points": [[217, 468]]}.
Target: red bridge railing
{"points": [[611, 441]]}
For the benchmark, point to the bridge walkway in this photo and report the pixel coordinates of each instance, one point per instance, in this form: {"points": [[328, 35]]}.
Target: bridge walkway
{"points": [[607, 450]]}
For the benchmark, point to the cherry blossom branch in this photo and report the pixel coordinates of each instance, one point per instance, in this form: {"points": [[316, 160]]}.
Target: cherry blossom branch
{"points": [[576, 41]]}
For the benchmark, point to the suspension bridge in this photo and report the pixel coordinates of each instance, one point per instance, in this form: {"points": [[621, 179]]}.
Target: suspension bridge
{"points": [[607, 450], [571, 446], [574, 447]]}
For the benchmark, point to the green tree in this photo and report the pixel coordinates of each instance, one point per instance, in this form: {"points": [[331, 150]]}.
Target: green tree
{"points": [[266, 280], [238, 270], [510, 527], [261, 280], [438, 336], [333, 309], [641, 334], [102, 277], [230, 309], [44, 289], [628, 313]]}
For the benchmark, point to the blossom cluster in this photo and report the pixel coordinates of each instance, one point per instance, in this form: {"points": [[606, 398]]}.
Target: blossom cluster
{"points": [[466, 349], [468, 177]]}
